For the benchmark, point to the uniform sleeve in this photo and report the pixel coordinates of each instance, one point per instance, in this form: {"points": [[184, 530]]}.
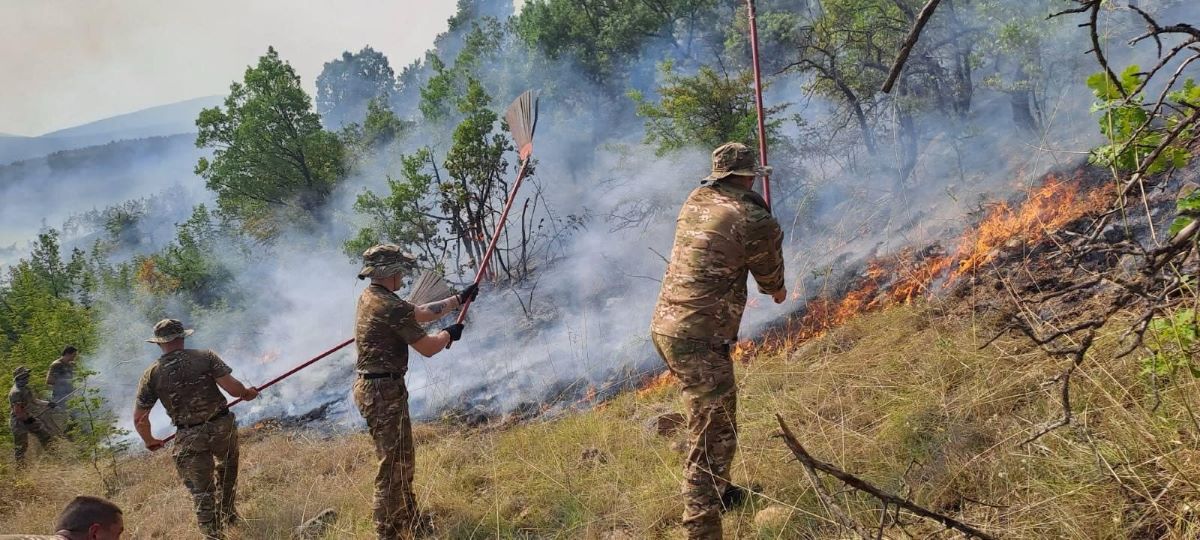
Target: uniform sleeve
{"points": [[14, 398], [146, 396], [764, 252], [217, 367], [403, 319]]}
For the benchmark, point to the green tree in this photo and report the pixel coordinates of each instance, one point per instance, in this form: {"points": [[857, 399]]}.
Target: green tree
{"points": [[190, 259], [346, 85], [433, 209], [272, 163], [604, 35], [702, 110]]}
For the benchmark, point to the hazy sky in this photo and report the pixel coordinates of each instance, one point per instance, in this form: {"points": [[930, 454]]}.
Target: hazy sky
{"points": [[67, 62]]}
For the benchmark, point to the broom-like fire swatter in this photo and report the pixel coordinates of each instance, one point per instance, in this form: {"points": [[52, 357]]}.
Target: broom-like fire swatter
{"points": [[522, 121], [428, 287]]}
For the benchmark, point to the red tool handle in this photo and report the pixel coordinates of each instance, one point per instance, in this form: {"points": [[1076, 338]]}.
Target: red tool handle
{"points": [[487, 256], [758, 101], [293, 371]]}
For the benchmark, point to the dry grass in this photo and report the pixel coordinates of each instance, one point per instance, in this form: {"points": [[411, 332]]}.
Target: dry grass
{"points": [[903, 398]]}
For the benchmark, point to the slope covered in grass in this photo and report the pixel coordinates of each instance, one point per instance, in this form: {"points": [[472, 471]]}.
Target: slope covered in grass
{"points": [[904, 398]]}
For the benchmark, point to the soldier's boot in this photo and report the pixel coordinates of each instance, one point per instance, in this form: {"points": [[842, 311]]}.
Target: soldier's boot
{"points": [[212, 530], [20, 446], [227, 513], [733, 497], [44, 438]]}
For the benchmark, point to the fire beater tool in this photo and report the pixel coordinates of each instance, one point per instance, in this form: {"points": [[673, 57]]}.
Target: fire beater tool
{"points": [[272, 382], [522, 120], [758, 101]]}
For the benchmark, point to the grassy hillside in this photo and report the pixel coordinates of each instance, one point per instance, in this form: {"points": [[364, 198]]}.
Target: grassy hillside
{"points": [[903, 398]]}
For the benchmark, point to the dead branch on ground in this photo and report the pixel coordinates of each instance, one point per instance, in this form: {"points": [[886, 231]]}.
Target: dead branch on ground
{"points": [[859, 484]]}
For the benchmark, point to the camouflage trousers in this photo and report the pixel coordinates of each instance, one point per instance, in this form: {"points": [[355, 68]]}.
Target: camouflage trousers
{"points": [[206, 457], [705, 372], [384, 404], [20, 432]]}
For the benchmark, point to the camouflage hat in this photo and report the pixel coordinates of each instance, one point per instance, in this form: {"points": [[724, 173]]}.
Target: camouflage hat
{"points": [[20, 371], [168, 330], [385, 260], [734, 158]]}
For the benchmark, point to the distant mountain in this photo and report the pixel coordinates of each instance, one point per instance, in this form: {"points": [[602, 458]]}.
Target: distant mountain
{"points": [[153, 122], [47, 190], [164, 120]]}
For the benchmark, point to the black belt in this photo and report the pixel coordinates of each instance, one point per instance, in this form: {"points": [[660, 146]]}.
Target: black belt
{"points": [[222, 414], [371, 376]]}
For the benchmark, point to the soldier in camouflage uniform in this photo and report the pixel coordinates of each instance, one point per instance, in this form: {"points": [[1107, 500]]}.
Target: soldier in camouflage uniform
{"points": [[189, 383], [61, 376], [23, 421], [723, 232], [385, 327], [61, 380]]}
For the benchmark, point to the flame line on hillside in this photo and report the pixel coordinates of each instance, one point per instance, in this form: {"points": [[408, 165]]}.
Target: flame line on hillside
{"points": [[909, 275]]}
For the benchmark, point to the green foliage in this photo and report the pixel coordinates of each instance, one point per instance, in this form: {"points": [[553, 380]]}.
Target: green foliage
{"points": [[347, 85], [604, 36], [702, 110], [1126, 123], [1172, 343], [403, 215], [428, 212], [1189, 209], [191, 261], [272, 163], [39, 316], [440, 95]]}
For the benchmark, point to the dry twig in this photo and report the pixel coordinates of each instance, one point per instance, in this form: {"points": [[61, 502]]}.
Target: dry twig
{"points": [[859, 484]]}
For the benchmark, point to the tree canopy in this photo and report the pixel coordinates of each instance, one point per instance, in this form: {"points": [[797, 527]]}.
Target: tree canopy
{"points": [[272, 161], [346, 85]]}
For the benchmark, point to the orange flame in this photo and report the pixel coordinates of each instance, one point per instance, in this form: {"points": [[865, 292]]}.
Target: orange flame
{"points": [[907, 276], [904, 277], [658, 382], [1047, 209]]}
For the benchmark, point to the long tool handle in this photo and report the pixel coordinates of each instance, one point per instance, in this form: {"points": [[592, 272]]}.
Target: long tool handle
{"points": [[487, 256], [293, 371], [758, 101]]}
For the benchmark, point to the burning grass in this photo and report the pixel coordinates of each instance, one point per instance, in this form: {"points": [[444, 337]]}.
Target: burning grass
{"points": [[901, 397]]}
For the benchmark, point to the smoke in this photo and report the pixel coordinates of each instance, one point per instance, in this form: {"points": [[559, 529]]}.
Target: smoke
{"points": [[47, 191], [582, 321]]}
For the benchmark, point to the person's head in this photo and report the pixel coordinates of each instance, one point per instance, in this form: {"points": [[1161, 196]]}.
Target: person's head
{"points": [[169, 335], [69, 353], [386, 265], [91, 518], [734, 163], [21, 376]]}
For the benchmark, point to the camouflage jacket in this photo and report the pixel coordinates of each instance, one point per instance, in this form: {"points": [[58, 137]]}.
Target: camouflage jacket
{"points": [[384, 327], [186, 382], [722, 233], [61, 378], [20, 396]]}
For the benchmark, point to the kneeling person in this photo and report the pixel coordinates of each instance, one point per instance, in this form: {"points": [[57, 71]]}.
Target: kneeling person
{"points": [[385, 327], [187, 381]]}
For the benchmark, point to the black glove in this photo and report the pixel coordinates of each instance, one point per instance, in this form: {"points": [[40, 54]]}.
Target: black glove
{"points": [[29, 421], [51, 404], [468, 294], [455, 331]]}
